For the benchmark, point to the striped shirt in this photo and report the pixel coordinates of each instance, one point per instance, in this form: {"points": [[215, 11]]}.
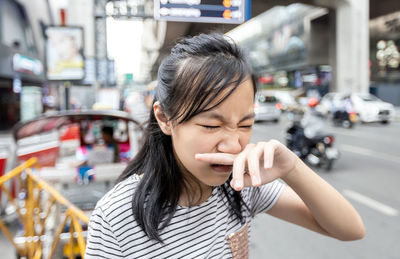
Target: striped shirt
{"points": [[196, 232]]}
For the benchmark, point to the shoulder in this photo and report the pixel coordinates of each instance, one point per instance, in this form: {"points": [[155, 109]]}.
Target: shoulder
{"points": [[110, 214], [119, 198]]}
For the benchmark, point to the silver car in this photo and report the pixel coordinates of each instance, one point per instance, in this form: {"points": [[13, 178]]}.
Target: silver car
{"points": [[267, 108]]}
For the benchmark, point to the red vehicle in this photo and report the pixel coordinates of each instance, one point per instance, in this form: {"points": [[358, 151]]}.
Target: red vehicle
{"points": [[80, 154], [64, 142]]}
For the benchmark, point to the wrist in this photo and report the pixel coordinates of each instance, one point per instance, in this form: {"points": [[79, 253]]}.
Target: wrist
{"points": [[291, 175]]}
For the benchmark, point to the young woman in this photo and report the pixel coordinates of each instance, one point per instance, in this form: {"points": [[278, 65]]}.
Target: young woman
{"points": [[195, 185]]}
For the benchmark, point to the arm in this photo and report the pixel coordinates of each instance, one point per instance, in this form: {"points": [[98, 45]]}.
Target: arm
{"points": [[314, 204], [309, 201]]}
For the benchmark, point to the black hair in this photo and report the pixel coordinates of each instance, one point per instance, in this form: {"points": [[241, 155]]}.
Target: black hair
{"points": [[108, 130], [197, 70]]}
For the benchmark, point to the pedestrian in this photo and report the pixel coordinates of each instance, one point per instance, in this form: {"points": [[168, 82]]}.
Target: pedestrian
{"points": [[197, 182], [107, 136]]}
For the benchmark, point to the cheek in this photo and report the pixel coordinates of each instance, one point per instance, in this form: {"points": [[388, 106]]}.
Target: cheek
{"points": [[189, 141], [196, 143]]}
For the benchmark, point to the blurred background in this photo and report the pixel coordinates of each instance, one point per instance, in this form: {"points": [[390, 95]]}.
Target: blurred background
{"points": [[328, 80]]}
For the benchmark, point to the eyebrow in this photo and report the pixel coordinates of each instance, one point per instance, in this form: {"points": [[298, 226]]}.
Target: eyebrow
{"points": [[217, 116]]}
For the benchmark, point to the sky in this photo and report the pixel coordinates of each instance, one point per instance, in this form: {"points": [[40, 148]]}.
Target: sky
{"points": [[124, 38]]}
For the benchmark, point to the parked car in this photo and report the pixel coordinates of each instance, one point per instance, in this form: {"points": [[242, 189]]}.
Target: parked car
{"points": [[368, 107], [267, 108]]}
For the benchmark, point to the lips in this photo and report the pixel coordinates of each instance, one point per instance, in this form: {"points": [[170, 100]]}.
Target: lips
{"points": [[222, 168]]}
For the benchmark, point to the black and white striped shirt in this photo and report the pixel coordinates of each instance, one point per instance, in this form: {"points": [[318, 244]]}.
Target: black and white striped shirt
{"points": [[195, 232]]}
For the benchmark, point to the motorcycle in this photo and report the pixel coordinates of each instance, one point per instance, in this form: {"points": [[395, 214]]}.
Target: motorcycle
{"points": [[344, 119], [317, 151]]}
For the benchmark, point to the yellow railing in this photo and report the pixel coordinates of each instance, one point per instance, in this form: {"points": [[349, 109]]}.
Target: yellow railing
{"points": [[34, 213]]}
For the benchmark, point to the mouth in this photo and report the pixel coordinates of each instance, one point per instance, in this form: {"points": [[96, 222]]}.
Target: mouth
{"points": [[221, 168]]}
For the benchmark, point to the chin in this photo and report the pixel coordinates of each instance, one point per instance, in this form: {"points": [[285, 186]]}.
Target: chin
{"points": [[216, 181], [211, 176]]}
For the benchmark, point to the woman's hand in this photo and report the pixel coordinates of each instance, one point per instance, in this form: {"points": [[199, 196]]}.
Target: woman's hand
{"points": [[257, 164], [309, 201]]}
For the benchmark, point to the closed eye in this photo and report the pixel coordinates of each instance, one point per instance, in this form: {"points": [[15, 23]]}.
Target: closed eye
{"points": [[209, 127]]}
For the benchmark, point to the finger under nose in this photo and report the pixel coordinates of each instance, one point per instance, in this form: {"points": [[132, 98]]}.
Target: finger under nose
{"points": [[216, 158]]}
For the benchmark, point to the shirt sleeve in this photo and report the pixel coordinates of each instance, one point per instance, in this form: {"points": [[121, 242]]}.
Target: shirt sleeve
{"points": [[262, 198], [101, 240]]}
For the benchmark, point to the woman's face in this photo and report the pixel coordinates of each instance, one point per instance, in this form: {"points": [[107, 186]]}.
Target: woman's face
{"points": [[226, 128]]}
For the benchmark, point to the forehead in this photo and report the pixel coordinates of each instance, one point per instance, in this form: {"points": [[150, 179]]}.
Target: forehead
{"points": [[238, 104], [204, 97]]}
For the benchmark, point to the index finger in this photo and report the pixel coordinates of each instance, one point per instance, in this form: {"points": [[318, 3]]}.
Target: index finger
{"points": [[238, 168], [216, 158]]}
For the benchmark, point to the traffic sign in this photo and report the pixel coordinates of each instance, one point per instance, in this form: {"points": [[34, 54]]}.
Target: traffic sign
{"points": [[209, 11]]}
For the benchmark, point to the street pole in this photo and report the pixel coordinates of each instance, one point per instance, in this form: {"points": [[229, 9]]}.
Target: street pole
{"points": [[67, 85]]}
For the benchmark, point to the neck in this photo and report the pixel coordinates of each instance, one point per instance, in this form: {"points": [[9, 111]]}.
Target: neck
{"points": [[194, 193]]}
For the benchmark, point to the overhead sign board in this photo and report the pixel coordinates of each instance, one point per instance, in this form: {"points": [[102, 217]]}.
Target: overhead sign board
{"points": [[208, 11], [64, 53]]}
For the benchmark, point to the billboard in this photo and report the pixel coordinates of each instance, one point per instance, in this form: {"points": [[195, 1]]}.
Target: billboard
{"points": [[64, 53], [209, 11]]}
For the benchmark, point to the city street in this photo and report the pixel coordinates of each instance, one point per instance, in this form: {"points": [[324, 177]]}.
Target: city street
{"points": [[367, 173], [77, 80]]}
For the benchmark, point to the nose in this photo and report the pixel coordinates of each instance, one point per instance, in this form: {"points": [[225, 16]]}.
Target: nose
{"points": [[230, 143]]}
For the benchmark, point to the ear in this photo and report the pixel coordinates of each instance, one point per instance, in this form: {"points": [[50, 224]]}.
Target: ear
{"points": [[162, 118]]}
